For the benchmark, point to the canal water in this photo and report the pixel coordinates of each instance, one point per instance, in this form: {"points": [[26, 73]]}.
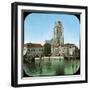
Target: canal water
{"points": [[52, 67]]}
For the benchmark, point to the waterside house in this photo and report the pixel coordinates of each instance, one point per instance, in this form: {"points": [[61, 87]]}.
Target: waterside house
{"points": [[34, 49]]}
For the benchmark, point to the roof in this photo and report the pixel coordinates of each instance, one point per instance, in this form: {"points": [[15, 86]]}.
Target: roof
{"points": [[33, 45], [69, 45], [66, 45]]}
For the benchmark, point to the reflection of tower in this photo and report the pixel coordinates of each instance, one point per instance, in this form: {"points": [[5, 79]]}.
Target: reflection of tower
{"points": [[58, 38]]}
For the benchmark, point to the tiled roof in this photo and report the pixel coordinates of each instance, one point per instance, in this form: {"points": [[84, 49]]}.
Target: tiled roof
{"points": [[65, 45], [33, 45], [69, 45]]}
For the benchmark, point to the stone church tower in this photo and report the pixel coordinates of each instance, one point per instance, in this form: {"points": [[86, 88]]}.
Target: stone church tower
{"points": [[58, 36]]}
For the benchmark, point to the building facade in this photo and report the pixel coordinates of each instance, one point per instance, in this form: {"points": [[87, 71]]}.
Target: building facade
{"points": [[33, 49]]}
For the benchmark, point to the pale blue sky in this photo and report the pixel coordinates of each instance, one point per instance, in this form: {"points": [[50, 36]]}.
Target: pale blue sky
{"points": [[38, 27]]}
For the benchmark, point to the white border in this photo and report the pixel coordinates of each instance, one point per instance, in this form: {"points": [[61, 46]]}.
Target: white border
{"points": [[52, 78]]}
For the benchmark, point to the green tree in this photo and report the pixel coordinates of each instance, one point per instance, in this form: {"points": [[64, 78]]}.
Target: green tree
{"points": [[47, 49]]}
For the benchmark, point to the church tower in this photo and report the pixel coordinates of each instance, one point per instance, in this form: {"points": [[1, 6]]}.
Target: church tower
{"points": [[58, 38]]}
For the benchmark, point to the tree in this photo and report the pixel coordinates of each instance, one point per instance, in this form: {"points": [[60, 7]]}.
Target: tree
{"points": [[47, 49]]}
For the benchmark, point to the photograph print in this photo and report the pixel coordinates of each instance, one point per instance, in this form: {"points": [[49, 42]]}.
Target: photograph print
{"points": [[49, 44]]}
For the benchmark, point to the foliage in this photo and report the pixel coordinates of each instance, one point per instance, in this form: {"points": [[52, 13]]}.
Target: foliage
{"points": [[47, 49]]}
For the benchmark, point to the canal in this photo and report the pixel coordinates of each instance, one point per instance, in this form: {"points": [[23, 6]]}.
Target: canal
{"points": [[51, 67]]}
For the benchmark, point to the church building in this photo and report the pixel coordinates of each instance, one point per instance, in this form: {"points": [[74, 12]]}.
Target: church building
{"points": [[58, 47]]}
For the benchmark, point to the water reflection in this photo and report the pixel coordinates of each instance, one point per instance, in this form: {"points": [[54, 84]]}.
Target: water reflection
{"points": [[51, 67]]}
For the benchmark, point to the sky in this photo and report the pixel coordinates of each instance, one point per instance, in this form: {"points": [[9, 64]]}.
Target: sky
{"points": [[38, 27]]}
